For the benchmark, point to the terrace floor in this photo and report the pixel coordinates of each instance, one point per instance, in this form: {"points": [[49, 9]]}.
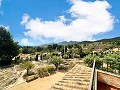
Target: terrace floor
{"points": [[40, 83]]}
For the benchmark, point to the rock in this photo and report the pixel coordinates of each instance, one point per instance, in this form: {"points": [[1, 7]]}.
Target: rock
{"points": [[30, 78]]}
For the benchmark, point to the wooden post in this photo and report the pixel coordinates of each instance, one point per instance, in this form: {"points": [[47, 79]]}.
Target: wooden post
{"points": [[107, 66], [102, 64], [119, 68]]}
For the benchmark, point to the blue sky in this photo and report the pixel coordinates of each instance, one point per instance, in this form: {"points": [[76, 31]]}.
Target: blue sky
{"points": [[36, 22]]}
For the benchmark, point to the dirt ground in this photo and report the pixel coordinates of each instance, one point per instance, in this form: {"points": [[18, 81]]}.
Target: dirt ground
{"points": [[40, 83]]}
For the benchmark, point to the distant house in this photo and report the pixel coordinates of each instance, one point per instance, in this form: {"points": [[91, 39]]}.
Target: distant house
{"points": [[108, 51], [116, 49], [97, 50]]}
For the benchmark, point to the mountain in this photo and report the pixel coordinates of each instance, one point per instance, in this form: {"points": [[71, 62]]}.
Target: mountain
{"points": [[116, 39], [62, 43], [70, 42]]}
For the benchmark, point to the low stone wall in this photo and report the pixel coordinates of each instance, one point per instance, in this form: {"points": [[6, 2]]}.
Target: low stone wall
{"points": [[30, 78], [109, 79]]}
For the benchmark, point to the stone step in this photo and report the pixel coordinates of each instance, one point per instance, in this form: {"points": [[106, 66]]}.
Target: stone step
{"points": [[77, 75], [75, 82], [57, 87], [72, 86], [78, 78]]}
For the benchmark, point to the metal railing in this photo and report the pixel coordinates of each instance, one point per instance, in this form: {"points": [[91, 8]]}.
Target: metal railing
{"points": [[92, 81], [106, 66], [109, 66]]}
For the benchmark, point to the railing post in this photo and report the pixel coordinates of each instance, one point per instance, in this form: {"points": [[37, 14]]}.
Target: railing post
{"points": [[107, 66], [95, 80], [102, 64], [119, 68]]}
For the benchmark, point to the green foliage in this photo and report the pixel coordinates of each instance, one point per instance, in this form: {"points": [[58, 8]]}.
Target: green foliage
{"points": [[8, 48], [46, 57], [50, 48], [42, 72], [56, 61], [45, 71], [63, 67], [65, 56], [89, 59], [70, 46], [76, 56], [28, 50], [27, 65], [50, 69], [39, 49], [113, 60]]}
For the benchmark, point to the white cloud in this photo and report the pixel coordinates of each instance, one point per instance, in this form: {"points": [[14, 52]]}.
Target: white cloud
{"points": [[25, 42], [87, 19], [0, 2], [1, 12], [25, 19]]}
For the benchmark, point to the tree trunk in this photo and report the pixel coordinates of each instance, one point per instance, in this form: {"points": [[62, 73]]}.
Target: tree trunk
{"points": [[27, 71]]}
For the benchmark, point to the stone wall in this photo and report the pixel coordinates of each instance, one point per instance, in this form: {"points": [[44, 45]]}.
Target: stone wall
{"points": [[109, 79]]}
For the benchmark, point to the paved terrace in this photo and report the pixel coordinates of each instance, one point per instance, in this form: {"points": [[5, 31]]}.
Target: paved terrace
{"points": [[78, 78]]}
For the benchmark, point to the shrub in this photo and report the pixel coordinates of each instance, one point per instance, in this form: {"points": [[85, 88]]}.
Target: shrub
{"points": [[27, 65], [56, 61], [46, 57], [42, 72], [63, 67], [45, 71], [66, 66], [77, 56], [89, 59], [50, 69], [65, 56]]}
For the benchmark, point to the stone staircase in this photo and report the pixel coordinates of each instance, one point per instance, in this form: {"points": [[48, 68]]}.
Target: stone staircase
{"points": [[78, 78]]}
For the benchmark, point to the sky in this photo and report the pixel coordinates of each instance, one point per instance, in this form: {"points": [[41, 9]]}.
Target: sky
{"points": [[36, 22]]}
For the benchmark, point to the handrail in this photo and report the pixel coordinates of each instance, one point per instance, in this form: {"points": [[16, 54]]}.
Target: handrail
{"points": [[92, 77], [95, 80]]}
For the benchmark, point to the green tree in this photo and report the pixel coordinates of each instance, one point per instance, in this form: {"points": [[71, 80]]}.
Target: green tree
{"points": [[39, 49], [70, 46], [28, 49], [113, 60], [50, 48], [89, 59], [56, 61], [8, 48], [27, 65]]}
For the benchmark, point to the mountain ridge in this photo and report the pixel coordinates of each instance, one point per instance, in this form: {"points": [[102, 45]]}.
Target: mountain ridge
{"points": [[117, 39]]}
